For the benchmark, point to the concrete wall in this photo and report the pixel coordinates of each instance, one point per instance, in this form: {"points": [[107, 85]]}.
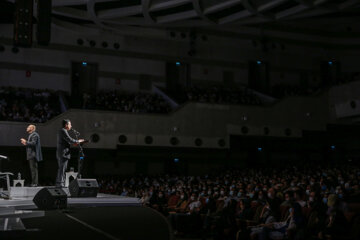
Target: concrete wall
{"points": [[288, 55], [210, 122]]}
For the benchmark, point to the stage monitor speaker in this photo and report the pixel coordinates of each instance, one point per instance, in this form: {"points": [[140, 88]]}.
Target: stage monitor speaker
{"points": [[84, 188], [23, 25], [43, 33], [50, 198]]}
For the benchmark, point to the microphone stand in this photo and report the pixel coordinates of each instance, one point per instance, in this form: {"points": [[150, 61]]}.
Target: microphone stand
{"points": [[81, 155]]}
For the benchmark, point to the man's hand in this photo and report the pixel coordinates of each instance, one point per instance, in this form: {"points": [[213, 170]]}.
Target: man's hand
{"points": [[81, 140], [23, 141]]}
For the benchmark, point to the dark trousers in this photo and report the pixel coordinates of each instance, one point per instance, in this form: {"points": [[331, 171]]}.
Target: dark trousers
{"points": [[62, 166], [34, 171]]}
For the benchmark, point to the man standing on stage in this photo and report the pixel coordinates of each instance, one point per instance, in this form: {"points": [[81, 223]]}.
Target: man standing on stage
{"points": [[64, 141], [33, 153]]}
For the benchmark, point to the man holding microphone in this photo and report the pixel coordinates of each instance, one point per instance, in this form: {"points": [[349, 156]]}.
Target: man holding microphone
{"points": [[64, 141]]}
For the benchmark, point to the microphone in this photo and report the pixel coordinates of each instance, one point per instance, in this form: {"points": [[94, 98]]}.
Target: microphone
{"points": [[75, 132]]}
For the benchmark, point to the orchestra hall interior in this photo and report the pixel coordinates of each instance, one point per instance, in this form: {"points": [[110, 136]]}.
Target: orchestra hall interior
{"points": [[180, 119]]}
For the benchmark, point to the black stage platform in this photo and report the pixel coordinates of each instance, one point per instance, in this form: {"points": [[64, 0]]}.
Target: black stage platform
{"points": [[103, 217], [95, 223]]}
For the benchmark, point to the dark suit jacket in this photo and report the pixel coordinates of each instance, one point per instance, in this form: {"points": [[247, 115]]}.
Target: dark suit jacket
{"points": [[33, 147], [64, 141]]}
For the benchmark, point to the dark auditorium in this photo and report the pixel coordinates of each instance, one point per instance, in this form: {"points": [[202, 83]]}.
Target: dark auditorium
{"points": [[179, 119]]}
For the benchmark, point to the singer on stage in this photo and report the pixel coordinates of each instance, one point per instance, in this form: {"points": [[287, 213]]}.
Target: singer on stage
{"points": [[64, 142]]}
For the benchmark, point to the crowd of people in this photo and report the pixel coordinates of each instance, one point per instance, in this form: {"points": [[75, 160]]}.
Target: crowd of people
{"points": [[28, 105], [284, 90], [138, 102], [268, 203], [222, 95]]}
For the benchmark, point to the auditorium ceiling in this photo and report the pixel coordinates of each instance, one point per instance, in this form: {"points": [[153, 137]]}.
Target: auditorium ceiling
{"points": [[308, 16]]}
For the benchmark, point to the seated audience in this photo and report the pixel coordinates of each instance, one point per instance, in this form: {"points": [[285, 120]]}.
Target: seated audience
{"points": [[28, 105], [221, 95], [268, 203], [284, 90], [138, 102]]}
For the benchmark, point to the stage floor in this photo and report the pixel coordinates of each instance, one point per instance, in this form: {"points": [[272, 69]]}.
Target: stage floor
{"points": [[96, 223], [102, 217], [21, 198]]}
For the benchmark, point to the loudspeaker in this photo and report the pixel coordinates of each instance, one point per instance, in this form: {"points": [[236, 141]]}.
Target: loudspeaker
{"points": [[23, 26], [50, 198], [84, 188], [43, 33]]}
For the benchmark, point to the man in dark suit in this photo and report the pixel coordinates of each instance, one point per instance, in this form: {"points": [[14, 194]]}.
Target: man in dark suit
{"points": [[33, 153], [64, 141]]}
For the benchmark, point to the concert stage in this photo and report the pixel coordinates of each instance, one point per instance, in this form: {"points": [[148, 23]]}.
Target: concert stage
{"points": [[102, 217], [22, 198]]}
